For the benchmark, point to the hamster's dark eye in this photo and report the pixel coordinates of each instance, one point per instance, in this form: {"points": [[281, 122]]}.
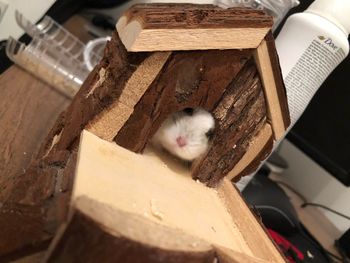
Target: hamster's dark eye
{"points": [[188, 111], [210, 134]]}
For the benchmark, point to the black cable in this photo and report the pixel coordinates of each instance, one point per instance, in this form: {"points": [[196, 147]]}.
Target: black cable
{"points": [[326, 208], [309, 203]]}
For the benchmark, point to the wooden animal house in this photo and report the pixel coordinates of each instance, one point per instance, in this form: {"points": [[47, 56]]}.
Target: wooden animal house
{"points": [[129, 202]]}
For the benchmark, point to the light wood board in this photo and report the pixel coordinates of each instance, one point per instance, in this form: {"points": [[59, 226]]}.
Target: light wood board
{"points": [[166, 27], [275, 113], [157, 188]]}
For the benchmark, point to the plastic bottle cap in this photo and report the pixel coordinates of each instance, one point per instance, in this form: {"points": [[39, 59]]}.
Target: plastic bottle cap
{"points": [[336, 11]]}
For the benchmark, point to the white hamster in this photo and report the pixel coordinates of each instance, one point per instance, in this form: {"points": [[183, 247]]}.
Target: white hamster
{"points": [[186, 134]]}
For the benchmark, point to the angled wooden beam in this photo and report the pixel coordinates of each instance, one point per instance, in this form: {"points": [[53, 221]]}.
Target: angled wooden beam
{"points": [[228, 256], [255, 149], [123, 237], [268, 66], [107, 124], [259, 242]]}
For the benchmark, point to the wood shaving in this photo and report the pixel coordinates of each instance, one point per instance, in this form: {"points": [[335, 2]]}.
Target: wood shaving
{"points": [[310, 255], [146, 214], [155, 211], [102, 77]]}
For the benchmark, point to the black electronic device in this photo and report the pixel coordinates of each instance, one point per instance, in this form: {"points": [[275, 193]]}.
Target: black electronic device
{"points": [[343, 244]]}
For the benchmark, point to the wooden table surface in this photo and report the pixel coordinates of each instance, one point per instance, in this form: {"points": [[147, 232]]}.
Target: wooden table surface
{"points": [[28, 109]]}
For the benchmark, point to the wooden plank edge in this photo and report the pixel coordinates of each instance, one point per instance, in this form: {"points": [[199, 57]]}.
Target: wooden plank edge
{"points": [[56, 239], [262, 244], [276, 68], [121, 234], [255, 164], [256, 145], [225, 255], [182, 15], [137, 39], [275, 114], [107, 124]]}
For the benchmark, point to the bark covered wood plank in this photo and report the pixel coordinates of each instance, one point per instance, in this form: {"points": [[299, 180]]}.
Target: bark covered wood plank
{"points": [[170, 16], [22, 230], [97, 232], [163, 27], [240, 115], [257, 151], [34, 210], [28, 109], [103, 86], [40, 184], [107, 124]]}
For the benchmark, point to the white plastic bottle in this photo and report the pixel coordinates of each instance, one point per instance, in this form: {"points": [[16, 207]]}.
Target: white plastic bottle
{"points": [[310, 46]]}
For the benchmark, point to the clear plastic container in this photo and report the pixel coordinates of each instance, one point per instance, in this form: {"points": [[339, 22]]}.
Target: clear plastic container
{"points": [[54, 55], [276, 8], [55, 34], [49, 63], [93, 48]]}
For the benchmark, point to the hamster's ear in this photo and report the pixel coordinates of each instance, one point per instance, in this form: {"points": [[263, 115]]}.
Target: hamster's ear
{"points": [[188, 111], [210, 134]]}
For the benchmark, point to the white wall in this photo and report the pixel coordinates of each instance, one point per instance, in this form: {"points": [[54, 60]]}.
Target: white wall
{"points": [[33, 10], [316, 184]]}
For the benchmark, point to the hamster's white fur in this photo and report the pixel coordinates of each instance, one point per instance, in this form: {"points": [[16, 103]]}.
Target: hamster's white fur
{"points": [[185, 135]]}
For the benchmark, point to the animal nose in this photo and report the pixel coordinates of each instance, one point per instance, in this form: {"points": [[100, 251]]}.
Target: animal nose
{"points": [[181, 141]]}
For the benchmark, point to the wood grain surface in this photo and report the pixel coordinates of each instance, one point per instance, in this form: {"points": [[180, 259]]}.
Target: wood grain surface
{"points": [[257, 145], [164, 27], [256, 236], [276, 69], [172, 16], [174, 220], [28, 109], [273, 88], [240, 114], [97, 233]]}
